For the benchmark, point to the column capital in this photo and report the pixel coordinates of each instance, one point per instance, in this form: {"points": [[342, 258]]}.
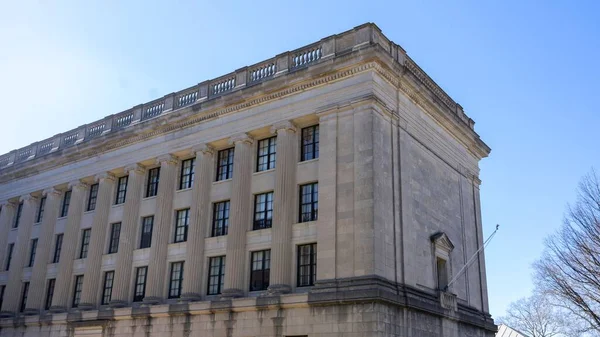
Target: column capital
{"points": [[167, 159], [204, 149], [104, 176], [240, 138], [135, 167], [28, 198], [9, 204], [283, 126], [51, 192], [77, 184]]}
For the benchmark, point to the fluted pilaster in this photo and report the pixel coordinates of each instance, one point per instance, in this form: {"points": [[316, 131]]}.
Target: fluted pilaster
{"points": [[92, 281], [35, 298], [14, 284], [199, 217], [6, 217], [283, 208], [239, 216], [127, 238], [163, 219], [62, 295]]}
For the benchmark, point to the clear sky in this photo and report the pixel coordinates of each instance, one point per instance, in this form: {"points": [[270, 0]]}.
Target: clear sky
{"points": [[526, 71]]}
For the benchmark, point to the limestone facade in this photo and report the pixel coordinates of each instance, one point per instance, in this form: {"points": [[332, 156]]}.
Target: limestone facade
{"points": [[218, 211]]}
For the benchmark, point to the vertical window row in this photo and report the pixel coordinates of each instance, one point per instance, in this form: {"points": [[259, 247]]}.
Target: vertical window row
{"points": [[152, 184], [64, 209], [92, 198]]}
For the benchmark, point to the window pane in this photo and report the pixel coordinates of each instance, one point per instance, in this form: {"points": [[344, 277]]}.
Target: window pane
{"points": [[140, 284], [108, 285], [307, 263], [225, 164], [220, 218], [310, 143], [187, 174], [260, 269], [147, 224], [216, 276], [176, 279], [152, 184], [181, 225], [92, 197], [57, 248], [115, 234]]}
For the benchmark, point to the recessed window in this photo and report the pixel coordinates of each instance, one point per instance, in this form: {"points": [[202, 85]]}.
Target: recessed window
{"points": [[92, 197], [309, 202], [216, 275], [140, 284], [40, 213], [9, 254], [18, 215], [187, 173], [181, 225], [2, 288], [310, 143], [115, 234], [24, 295], [220, 222], [260, 269], [121, 190], [77, 288], [266, 154], [109, 278], [49, 293], [225, 164], [263, 210], [57, 248], [64, 210], [442, 274], [32, 251], [85, 243], [307, 265], [152, 185], [176, 280], [146, 239]]}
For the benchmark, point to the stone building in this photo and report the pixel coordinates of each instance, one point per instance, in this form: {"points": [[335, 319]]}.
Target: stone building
{"points": [[328, 191]]}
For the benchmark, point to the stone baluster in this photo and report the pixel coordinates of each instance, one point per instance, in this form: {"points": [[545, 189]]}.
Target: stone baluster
{"points": [[62, 294], [127, 238], [37, 287], [283, 208], [199, 217], [93, 264], [7, 215], [163, 219], [240, 216], [14, 285]]}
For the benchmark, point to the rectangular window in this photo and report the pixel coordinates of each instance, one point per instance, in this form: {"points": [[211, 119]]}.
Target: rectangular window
{"points": [[309, 202], [9, 254], [187, 174], [307, 265], [18, 215], [85, 243], [24, 295], [147, 224], [442, 274], [263, 210], [140, 284], [152, 185], [92, 198], [49, 293], [176, 280], [181, 225], [109, 277], [216, 275], [266, 154], [64, 210], [225, 164], [310, 143], [121, 190], [115, 233], [259, 272], [77, 290], [2, 288], [220, 222], [40, 214], [57, 248], [32, 251]]}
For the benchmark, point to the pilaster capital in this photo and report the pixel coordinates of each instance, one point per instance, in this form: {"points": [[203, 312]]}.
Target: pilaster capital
{"points": [[476, 181], [8, 204], [283, 126], [167, 159], [51, 192], [104, 177], [137, 168], [28, 198], [77, 184], [203, 149], [240, 138]]}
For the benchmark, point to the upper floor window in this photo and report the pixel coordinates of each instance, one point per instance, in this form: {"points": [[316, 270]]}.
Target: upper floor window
{"points": [[263, 210], [24, 295], [309, 202], [187, 173], [57, 248], [310, 143], [266, 154], [78, 287], [9, 254], [140, 284], [49, 293], [181, 225], [260, 269], [92, 197], [146, 239], [442, 274], [2, 288], [152, 185], [225, 164], [64, 210], [32, 252], [115, 233], [18, 215], [307, 265], [109, 278], [121, 190], [40, 213], [85, 243], [220, 222], [176, 279], [216, 275]]}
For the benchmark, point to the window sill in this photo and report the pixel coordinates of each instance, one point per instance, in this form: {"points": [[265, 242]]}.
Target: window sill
{"points": [[149, 198], [183, 189], [117, 205], [262, 172], [308, 161], [37, 223], [256, 293], [221, 181], [61, 217], [90, 211]]}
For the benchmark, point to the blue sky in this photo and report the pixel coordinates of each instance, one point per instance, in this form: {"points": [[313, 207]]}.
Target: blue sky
{"points": [[526, 72]]}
